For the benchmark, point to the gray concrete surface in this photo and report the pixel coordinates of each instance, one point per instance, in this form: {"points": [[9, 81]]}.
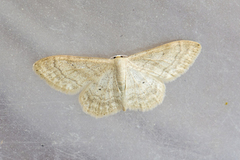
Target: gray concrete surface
{"points": [[199, 118]]}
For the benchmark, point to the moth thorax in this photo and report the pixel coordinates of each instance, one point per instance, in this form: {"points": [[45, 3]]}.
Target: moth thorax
{"points": [[120, 64]]}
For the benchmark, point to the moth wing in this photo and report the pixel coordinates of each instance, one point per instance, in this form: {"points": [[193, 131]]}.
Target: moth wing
{"points": [[143, 91], [70, 74], [169, 61], [102, 97]]}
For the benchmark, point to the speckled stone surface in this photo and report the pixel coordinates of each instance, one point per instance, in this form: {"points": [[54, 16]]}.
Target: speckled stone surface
{"points": [[198, 119]]}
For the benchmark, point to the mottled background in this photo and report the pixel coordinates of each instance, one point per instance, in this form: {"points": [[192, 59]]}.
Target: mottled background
{"points": [[199, 118]]}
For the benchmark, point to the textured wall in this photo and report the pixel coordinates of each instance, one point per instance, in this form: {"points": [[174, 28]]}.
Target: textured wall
{"points": [[198, 119]]}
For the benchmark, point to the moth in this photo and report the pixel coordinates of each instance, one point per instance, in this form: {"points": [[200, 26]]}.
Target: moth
{"points": [[110, 85]]}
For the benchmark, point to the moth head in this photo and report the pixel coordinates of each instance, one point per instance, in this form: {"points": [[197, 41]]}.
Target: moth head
{"points": [[119, 56]]}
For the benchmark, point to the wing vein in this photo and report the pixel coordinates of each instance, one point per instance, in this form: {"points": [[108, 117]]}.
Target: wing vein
{"points": [[54, 64]]}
